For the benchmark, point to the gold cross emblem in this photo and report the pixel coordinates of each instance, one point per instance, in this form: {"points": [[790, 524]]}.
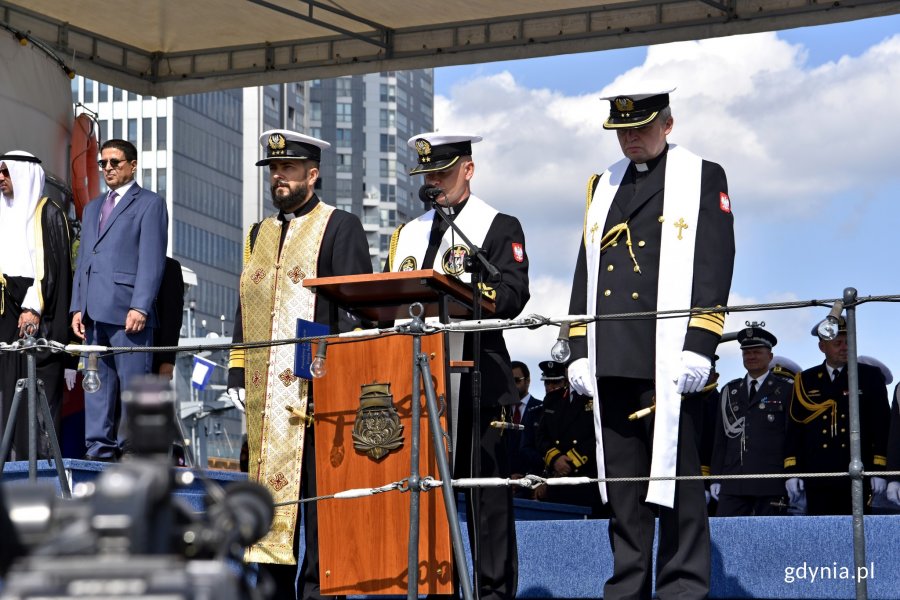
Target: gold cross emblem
{"points": [[594, 229], [286, 377], [296, 274], [278, 481], [258, 276], [257, 378], [681, 225]]}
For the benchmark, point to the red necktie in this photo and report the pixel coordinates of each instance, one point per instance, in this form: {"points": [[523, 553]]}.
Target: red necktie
{"points": [[517, 415]]}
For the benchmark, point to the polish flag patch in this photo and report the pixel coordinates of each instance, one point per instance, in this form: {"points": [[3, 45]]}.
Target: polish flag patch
{"points": [[724, 202], [518, 252]]}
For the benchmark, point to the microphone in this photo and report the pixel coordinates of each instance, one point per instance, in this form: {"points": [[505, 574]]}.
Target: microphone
{"points": [[429, 193]]}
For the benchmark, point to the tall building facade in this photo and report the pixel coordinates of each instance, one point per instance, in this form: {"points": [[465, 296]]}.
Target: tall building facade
{"points": [[367, 119], [199, 153]]}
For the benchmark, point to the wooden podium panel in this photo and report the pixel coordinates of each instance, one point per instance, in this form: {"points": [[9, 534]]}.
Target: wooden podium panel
{"points": [[387, 296], [363, 542]]}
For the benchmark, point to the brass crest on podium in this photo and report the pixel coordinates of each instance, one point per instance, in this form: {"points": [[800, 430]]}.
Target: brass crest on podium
{"points": [[377, 429]]}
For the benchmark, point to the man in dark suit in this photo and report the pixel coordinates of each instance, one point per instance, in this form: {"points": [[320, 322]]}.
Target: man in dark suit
{"points": [[749, 432], [522, 444], [124, 234], [566, 441], [170, 312], [658, 236], [445, 159], [818, 434]]}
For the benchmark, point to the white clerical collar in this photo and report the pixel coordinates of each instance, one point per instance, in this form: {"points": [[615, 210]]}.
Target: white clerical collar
{"points": [[641, 167]]}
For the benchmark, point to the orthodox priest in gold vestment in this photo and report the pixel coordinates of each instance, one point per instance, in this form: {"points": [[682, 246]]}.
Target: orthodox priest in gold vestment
{"points": [[305, 239]]}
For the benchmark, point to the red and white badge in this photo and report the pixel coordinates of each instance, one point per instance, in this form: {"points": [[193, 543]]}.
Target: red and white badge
{"points": [[724, 202], [518, 252]]}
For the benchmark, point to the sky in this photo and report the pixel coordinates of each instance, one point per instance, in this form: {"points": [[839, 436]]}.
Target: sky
{"points": [[804, 122]]}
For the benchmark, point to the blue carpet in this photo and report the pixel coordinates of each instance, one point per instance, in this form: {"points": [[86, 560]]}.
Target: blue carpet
{"points": [[758, 557]]}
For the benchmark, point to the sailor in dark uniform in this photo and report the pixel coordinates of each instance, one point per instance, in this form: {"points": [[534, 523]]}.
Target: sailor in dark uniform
{"points": [[749, 432], [658, 236], [445, 160], [566, 441], [818, 434], [893, 453]]}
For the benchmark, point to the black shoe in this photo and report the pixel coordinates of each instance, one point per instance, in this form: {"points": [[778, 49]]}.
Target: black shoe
{"points": [[107, 459]]}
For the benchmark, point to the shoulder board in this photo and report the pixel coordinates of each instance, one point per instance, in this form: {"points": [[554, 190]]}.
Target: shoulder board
{"points": [[782, 373], [734, 382]]}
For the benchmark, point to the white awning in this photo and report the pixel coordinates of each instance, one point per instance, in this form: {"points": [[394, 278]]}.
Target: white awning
{"points": [[170, 47]]}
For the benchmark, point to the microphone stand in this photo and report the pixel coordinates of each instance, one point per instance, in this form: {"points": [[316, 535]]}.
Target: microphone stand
{"points": [[477, 269]]}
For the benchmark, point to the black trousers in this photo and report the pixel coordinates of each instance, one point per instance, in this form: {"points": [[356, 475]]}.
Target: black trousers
{"points": [[750, 506], [285, 576], [489, 511], [831, 495], [683, 555]]}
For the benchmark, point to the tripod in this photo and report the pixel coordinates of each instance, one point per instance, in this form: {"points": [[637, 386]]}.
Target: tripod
{"points": [[37, 400], [423, 370]]}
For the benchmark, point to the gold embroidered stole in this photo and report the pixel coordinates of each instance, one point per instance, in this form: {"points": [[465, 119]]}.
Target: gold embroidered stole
{"points": [[272, 299]]}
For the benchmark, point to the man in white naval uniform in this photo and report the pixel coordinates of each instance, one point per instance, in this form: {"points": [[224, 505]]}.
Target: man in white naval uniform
{"points": [[429, 243]]}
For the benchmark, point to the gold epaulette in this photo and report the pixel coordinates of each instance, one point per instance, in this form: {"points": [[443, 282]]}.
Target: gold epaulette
{"points": [[392, 249], [790, 461], [712, 321], [577, 330], [879, 461]]}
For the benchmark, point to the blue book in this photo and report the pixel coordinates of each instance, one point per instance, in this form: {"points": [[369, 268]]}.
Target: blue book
{"points": [[304, 351]]}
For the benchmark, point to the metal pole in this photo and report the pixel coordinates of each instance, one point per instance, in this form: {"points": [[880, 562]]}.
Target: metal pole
{"points": [[856, 464], [32, 409], [412, 586], [446, 481]]}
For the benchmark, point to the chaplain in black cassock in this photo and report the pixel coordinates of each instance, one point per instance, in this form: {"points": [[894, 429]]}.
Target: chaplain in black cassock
{"points": [[36, 284], [658, 236]]}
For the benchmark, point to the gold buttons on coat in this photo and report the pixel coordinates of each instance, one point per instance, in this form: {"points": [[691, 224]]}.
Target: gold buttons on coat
{"points": [[661, 219], [635, 296], [610, 268], [641, 244], [607, 292]]}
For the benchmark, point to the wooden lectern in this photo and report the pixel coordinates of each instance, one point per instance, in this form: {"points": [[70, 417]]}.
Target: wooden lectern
{"points": [[362, 436]]}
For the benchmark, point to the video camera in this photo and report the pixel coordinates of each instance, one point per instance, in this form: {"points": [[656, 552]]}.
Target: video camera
{"points": [[126, 536]]}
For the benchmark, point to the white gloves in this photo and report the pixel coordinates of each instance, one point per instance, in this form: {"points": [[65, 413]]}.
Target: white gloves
{"points": [[70, 376], [694, 372], [878, 485], [893, 492], [714, 489], [795, 489], [580, 377], [237, 396]]}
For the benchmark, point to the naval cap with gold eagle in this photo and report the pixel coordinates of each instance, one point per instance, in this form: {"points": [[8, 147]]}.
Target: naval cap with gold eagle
{"points": [[284, 144], [636, 109], [438, 150]]}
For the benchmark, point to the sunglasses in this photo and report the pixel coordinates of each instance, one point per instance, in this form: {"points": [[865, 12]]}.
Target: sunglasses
{"points": [[520, 379], [113, 162]]}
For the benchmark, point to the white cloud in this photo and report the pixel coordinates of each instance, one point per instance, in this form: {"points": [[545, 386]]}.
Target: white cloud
{"points": [[796, 141]]}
